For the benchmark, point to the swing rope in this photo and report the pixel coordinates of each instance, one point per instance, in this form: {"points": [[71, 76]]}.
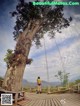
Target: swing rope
{"points": [[60, 55], [47, 68], [61, 59]]}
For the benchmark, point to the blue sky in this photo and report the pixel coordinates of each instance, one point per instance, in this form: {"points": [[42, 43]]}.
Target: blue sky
{"points": [[68, 42]]}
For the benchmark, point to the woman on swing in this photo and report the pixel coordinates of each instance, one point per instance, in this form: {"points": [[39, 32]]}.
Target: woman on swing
{"points": [[38, 85]]}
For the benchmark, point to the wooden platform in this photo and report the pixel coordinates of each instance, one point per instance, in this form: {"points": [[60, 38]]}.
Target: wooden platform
{"points": [[33, 99], [51, 100]]}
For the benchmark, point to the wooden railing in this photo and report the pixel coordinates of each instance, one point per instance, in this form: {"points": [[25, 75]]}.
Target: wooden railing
{"points": [[16, 95]]}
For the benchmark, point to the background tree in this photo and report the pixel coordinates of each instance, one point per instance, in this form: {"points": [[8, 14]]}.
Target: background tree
{"points": [[77, 81], [60, 76], [66, 80], [63, 77], [31, 24]]}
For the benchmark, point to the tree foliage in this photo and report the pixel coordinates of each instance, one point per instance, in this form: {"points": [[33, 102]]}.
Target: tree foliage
{"points": [[60, 76], [8, 56], [1, 78], [66, 80], [77, 81], [10, 59], [63, 77], [51, 19]]}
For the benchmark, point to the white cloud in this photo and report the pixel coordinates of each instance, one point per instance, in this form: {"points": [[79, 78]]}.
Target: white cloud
{"points": [[70, 55], [6, 42]]}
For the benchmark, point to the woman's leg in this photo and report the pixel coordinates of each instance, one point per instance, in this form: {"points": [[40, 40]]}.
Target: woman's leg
{"points": [[37, 88]]}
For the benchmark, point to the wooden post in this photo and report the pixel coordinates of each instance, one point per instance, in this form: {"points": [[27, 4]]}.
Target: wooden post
{"points": [[24, 95], [16, 98], [78, 87]]}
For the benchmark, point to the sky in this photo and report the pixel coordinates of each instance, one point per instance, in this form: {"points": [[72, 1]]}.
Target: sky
{"points": [[63, 52]]}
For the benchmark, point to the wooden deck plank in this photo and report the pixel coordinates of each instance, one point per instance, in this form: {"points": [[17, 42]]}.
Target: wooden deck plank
{"points": [[52, 103], [53, 100], [43, 103], [58, 101], [70, 99], [50, 100], [31, 103], [39, 103], [23, 102]]}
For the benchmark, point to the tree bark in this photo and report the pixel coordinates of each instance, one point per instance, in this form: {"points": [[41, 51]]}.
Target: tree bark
{"points": [[14, 74]]}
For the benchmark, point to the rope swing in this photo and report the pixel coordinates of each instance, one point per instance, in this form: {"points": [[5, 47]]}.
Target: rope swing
{"points": [[60, 55], [47, 68]]}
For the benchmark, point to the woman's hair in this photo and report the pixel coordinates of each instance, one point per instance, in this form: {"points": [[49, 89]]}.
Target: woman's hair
{"points": [[38, 77]]}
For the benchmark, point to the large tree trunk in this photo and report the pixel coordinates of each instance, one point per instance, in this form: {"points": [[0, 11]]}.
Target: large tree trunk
{"points": [[14, 74]]}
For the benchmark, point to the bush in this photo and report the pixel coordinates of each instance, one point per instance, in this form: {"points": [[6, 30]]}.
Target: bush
{"points": [[1, 81]]}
